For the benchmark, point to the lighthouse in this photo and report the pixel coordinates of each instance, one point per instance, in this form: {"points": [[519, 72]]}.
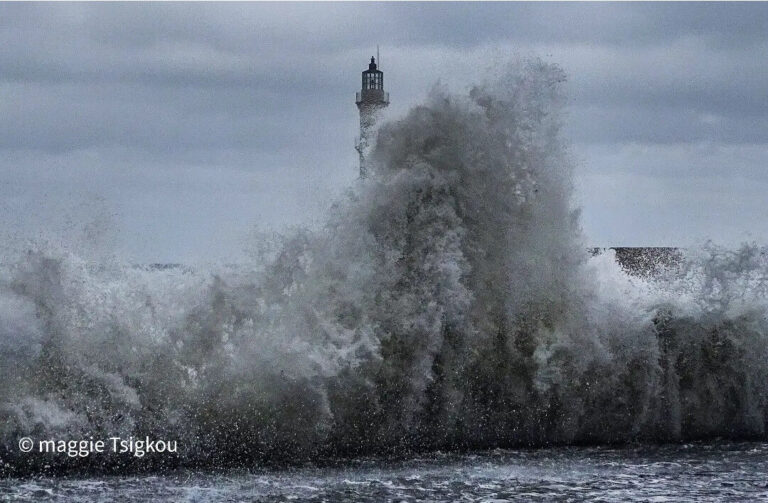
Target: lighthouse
{"points": [[370, 101]]}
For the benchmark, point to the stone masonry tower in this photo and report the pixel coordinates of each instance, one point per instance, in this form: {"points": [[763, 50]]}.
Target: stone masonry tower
{"points": [[371, 100]]}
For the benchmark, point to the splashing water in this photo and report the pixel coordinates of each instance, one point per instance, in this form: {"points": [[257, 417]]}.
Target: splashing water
{"points": [[448, 303]]}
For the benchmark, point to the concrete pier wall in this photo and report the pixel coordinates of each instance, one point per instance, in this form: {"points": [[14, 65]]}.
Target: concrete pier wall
{"points": [[644, 261]]}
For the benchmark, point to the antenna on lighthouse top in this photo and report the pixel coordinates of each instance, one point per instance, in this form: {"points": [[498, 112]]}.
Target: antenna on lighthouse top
{"points": [[378, 59]]}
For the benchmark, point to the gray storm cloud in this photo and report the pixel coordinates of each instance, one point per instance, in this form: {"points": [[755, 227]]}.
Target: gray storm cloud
{"points": [[192, 123]]}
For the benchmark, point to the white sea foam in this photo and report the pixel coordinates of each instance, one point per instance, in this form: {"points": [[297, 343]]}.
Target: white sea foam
{"points": [[448, 301]]}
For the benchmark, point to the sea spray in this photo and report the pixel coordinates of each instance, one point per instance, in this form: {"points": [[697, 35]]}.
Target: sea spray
{"points": [[449, 302]]}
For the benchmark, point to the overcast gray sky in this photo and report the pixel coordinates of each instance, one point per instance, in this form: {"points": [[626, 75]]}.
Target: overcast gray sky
{"points": [[183, 126]]}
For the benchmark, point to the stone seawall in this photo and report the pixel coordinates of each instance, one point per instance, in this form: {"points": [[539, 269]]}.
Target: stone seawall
{"points": [[644, 261], [638, 260]]}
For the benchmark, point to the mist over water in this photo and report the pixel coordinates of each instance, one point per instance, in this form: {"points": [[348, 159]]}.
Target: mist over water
{"points": [[448, 303]]}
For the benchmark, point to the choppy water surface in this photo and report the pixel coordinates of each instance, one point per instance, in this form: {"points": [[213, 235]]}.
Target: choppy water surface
{"points": [[691, 472]]}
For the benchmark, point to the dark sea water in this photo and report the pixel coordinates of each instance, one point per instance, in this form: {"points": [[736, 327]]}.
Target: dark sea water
{"points": [[689, 472]]}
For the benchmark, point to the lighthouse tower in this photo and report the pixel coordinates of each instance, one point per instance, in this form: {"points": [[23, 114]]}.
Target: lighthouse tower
{"points": [[371, 100]]}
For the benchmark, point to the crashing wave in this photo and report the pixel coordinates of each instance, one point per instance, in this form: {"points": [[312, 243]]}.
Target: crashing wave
{"points": [[447, 303]]}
